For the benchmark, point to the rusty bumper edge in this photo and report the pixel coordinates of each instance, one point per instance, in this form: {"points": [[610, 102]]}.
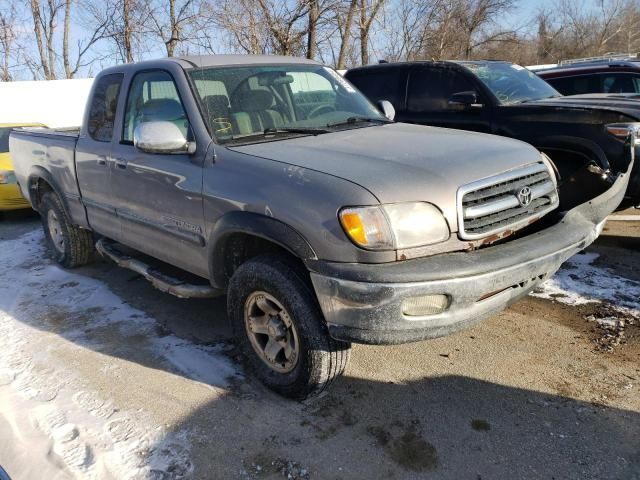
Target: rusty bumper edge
{"points": [[363, 303]]}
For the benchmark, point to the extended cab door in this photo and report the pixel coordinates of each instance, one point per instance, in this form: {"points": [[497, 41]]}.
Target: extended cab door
{"points": [[158, 196], [433, 94], [93, 156]]}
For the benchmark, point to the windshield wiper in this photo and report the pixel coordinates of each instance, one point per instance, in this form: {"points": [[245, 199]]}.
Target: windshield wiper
{"points": [[272, 131], [355, 120], [307, 130], [536, 99]]}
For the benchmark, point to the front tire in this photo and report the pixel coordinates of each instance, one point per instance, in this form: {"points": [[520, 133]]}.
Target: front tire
{"points": [[68, 244], [280, 328]]}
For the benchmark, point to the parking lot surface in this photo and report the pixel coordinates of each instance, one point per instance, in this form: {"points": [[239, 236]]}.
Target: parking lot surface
{"points": [[101, 376]]}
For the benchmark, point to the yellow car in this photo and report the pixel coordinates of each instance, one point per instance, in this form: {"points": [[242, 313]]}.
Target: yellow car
{"points": [[10, 196]]}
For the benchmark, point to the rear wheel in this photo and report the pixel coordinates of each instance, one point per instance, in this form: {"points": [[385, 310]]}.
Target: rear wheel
{"points": [[69, 245], [280, 329]]}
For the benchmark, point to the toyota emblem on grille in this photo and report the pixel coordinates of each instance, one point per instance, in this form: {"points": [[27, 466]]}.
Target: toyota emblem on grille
{"points": [[524, 196]]}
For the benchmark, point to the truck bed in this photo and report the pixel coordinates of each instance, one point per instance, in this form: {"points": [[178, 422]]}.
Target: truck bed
{"points": [[43, 131], [52, 150]]}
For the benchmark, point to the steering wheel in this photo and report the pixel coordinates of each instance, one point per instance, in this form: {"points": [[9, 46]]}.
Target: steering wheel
{"points": [[321, 109]]}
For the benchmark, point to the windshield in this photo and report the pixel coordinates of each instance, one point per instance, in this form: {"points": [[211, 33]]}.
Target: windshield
{"points": [[512, 83], [260, 102], [4, 139]]}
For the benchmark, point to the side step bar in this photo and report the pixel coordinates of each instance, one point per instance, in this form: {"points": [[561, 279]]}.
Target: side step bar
{"points": [[159, 280]]}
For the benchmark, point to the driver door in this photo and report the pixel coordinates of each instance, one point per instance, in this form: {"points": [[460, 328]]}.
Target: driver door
{"points": [[429, 90], [158, 195]]}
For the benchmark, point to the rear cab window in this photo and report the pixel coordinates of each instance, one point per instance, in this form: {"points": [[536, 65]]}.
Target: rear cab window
{"points": [[576, 85], [102, 112], [620, 83], [385, 83]]}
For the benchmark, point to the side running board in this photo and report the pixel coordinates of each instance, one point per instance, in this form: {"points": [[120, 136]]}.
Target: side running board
{"points": [[164, 283]]}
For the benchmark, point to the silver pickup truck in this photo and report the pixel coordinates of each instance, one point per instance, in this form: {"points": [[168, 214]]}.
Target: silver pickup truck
{"points": [[273, 180]]}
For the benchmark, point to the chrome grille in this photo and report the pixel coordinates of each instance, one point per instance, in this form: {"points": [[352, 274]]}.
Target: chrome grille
{"points": [[505, 202]]}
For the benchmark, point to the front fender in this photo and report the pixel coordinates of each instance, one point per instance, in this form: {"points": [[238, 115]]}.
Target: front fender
{"points": [[588, 149]]}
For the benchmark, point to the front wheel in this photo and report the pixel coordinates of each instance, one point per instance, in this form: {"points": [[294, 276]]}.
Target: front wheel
{"points": [[69, 245], [280, 329]]}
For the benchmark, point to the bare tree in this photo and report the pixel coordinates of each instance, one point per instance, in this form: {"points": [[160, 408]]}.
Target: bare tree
{"points": [[312, 29], [127, 35], [7, 40], [235, 25], [284, 21], [174, 21], [65, 32], [38, 22], [439, 29], [122, 25], [65, 39], [476, 15], [344, 29], [369, 10], [417, 29], [575, 29]]}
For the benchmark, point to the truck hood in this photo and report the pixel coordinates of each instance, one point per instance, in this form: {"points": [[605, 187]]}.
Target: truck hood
{"points": [[402, 162], [627, 104]]}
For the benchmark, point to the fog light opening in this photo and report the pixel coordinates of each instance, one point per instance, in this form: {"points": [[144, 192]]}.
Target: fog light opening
{"points": [[425, 305]]}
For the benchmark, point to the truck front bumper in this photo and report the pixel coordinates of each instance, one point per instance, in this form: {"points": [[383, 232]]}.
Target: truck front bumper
{"points": [[363, 303]]}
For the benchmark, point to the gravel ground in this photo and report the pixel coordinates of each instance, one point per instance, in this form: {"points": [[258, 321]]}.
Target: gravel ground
{"points": [[543, 390]]}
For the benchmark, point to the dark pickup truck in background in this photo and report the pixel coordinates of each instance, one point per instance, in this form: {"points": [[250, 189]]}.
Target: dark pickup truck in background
{"points": [[585, 137], [617, 74], [273, 180]]}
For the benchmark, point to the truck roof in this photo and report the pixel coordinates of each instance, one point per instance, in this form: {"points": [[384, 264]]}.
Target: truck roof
{"points": [[230, 59], [592, 67], [199, 61], [409, 63]]}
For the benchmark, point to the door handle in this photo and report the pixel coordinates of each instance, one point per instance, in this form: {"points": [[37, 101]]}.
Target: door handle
{"points": [[121, 165], [102, 160]]}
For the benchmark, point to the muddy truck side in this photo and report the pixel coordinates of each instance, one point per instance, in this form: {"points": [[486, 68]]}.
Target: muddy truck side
{"points": [[274, 181]]}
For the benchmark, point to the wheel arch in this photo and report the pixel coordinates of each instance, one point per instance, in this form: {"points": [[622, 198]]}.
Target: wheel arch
{"points": [[576, 146], [39, 182], [240, 236]]}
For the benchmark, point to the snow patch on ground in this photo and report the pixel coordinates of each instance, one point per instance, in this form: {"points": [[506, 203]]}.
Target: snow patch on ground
{"points": [[579, 281], [52, 423]]}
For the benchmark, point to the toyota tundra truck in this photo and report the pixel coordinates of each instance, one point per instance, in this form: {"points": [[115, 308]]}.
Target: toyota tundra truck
{"points": [[274, 181]]}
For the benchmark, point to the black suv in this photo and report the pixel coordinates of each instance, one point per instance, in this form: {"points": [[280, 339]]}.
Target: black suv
{"points": [[595, 76], [586, 137]]}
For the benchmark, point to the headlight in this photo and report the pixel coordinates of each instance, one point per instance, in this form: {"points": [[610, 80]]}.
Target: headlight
{"points": [[394, 226], [623, 130], [7, 176]]}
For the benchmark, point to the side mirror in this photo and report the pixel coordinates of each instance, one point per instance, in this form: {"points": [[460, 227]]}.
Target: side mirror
{"points": [[464, 100], [387, 109], [161, 137]]}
